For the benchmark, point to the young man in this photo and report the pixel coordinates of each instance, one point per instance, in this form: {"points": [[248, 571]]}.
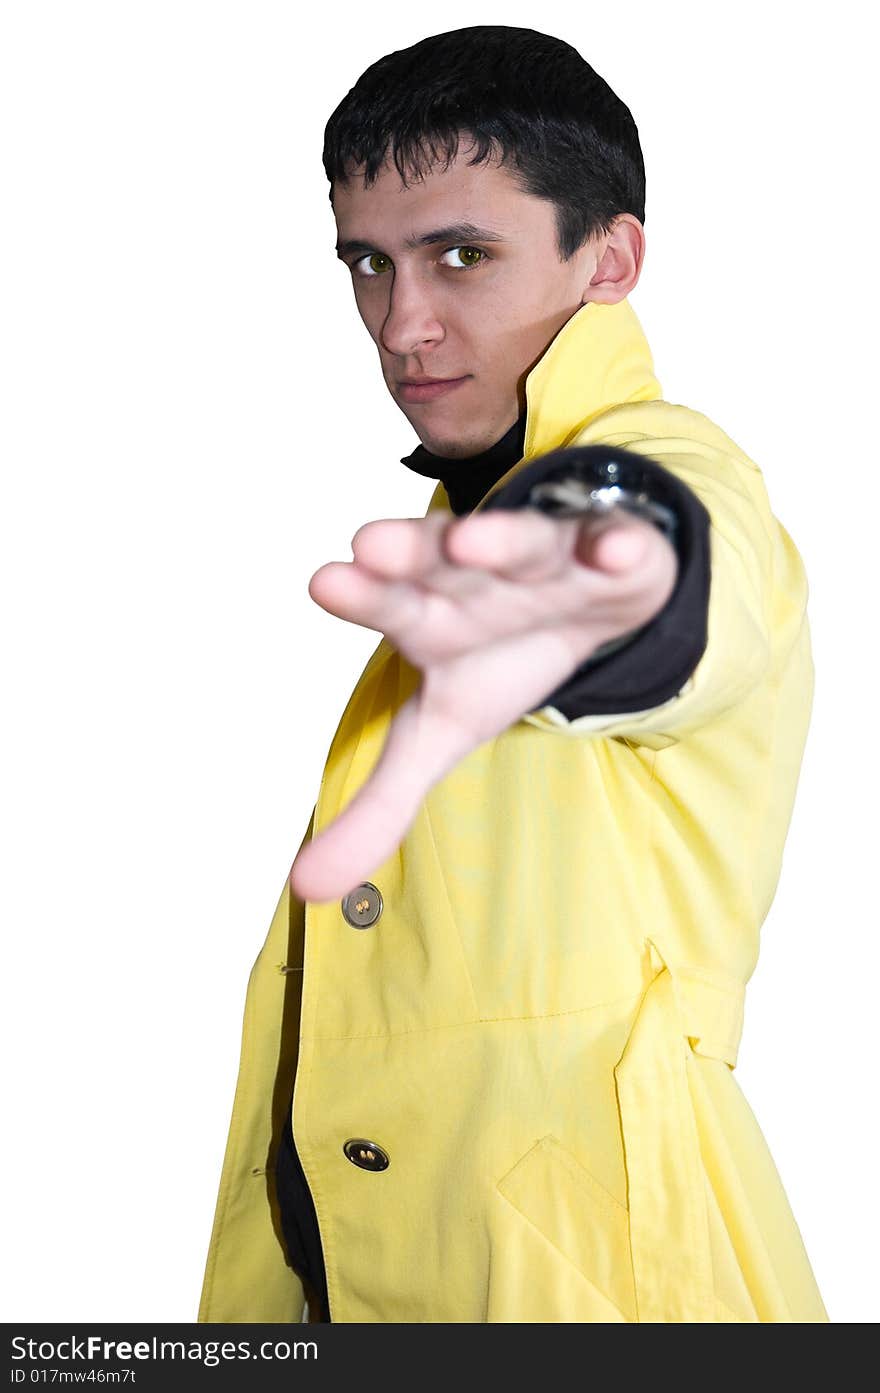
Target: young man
{"points": [[506, 974]]}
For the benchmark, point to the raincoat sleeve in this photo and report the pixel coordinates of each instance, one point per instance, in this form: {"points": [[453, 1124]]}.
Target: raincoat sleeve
{"points": [[739, 602]]}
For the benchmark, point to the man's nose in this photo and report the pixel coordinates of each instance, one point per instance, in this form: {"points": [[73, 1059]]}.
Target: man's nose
{"points": [[412, 319]]}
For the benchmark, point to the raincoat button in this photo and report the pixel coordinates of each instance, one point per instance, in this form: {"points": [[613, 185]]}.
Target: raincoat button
{"points": [[362, 906], [365, 1154]]}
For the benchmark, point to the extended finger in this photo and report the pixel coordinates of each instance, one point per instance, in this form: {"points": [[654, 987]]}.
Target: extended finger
{"points": [[416, 549], [400, 547], [525, 544], [345, 589], [615, 543]]}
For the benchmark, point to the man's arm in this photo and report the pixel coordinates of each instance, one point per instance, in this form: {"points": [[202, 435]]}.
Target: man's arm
{"points": [[740, 563]]}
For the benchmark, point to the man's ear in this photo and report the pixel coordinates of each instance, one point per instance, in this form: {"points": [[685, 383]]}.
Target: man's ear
{"points": [[619, 264]]}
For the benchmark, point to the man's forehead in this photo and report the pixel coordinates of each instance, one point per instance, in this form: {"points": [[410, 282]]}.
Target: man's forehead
{"points": [[481, 198]]}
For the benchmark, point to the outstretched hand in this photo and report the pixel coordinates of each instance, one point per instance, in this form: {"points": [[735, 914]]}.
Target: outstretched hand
{"points": [[496, 609]]}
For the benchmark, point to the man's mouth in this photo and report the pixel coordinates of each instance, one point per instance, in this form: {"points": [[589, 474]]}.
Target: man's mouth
{"points": [[428, 389]]}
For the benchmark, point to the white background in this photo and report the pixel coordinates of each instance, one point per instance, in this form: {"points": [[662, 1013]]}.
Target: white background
{"points": [[194, 420]]}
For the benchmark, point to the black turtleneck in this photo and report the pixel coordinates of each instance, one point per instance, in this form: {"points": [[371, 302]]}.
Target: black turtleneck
{"points": [[467, 480]]}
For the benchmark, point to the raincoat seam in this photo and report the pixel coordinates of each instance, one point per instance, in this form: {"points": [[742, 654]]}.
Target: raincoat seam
{"points": [[485, 1020]]}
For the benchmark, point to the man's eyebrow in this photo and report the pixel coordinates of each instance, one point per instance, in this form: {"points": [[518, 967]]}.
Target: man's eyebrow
{"points": [[454, 232]]}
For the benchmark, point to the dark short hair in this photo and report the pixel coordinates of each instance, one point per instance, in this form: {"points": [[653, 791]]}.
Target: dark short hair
{"points": [[526, 96]]}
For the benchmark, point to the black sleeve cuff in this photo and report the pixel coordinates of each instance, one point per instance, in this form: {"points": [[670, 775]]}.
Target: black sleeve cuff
{"points": [[651, 665]]}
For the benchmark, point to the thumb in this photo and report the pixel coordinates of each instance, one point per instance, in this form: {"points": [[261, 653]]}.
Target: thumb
{"points": [[418, 751]]}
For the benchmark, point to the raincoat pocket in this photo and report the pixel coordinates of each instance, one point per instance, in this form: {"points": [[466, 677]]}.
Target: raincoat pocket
{"points": [[559, 1243], [562, 1248]]}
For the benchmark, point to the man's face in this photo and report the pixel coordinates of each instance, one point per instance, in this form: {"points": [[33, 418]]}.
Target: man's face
{"points": [[461, 306]]}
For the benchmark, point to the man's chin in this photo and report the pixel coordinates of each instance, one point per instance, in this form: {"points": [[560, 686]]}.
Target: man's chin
{"points": [[437, 440], [449, 447]]}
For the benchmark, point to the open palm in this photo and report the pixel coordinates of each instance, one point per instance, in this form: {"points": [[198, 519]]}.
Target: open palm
{"points": [[495, 609]]}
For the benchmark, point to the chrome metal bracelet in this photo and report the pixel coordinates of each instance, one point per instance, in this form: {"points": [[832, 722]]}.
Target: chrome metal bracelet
{"points": [[571, 497]]}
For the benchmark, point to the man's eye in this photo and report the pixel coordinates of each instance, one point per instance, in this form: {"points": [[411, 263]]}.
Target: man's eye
{"points": [[468, 252], [369, 259]]}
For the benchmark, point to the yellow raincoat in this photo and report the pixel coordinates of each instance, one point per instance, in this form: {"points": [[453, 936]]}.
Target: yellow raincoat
{"points": [[540, 1028]]}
